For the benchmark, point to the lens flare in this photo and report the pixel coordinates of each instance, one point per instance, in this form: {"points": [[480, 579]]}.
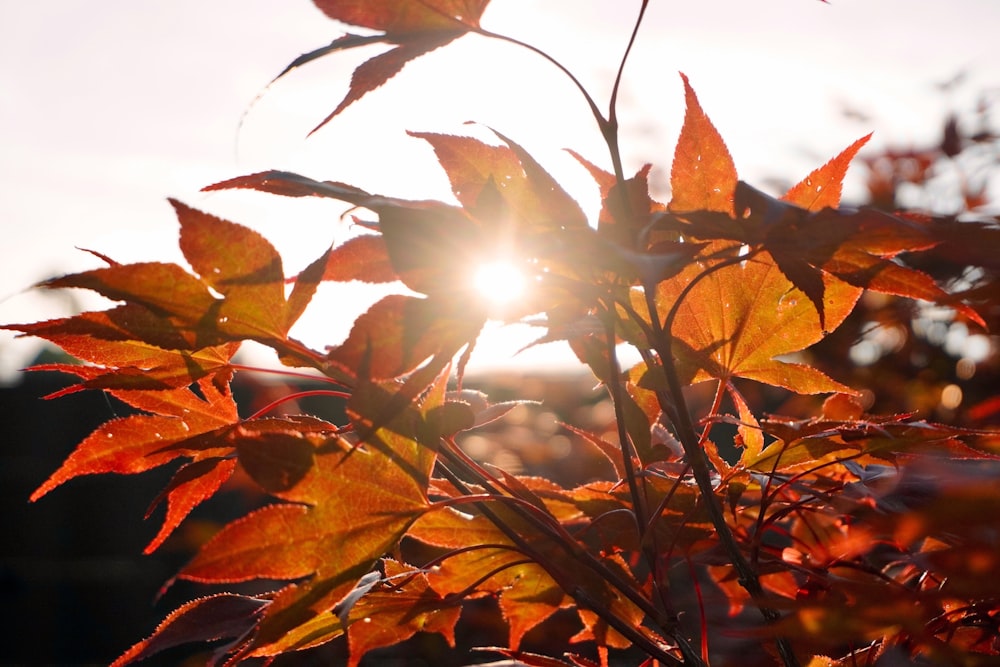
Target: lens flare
{"points": [[499, 282]]}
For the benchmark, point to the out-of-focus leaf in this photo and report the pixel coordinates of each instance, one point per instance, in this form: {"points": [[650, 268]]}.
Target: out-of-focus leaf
{"points": [[807, 444]]}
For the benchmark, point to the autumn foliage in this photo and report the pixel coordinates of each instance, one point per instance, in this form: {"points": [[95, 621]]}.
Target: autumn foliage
{"points": [[720, 534]]}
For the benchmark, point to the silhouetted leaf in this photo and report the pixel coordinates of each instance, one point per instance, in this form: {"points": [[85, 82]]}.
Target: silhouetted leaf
{"points": [[214, 617], [413, 28]]}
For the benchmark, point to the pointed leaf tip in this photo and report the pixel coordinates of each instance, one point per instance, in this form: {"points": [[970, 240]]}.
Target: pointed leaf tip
{"points": [[703, 175], [822, 187]]}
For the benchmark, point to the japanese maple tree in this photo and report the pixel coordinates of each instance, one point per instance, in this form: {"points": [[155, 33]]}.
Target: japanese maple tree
{"points": [[721, 534]]}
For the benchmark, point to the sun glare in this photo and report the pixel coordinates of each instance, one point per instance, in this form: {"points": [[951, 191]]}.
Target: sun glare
{"points": [[500, 282]]}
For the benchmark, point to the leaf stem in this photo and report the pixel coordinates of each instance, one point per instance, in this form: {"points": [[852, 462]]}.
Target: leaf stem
{"points": [[676, 408], [609, 129], [558, 574], [629, 454], [295, 396], [602, 122]]}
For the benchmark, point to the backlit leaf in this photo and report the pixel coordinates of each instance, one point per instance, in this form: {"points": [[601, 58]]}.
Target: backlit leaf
{"points": [[702, 176], [137, 443], [751, 436], [413, 28], [363, 258], [164, 288], [192, 484], [403, 16], [398, 333], [127, 335], [737, 320], [354, 506], [821, 189], [241, 265], [389, 615], [277, 460]]}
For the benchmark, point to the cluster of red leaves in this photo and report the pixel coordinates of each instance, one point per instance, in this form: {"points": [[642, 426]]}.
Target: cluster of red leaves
{"points": [[813, 524]]}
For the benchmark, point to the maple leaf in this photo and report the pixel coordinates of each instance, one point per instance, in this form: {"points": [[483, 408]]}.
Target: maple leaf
{"points": [[855, 245], [420, 239], [531, 196], [190, 486], [133, 444], [804, 233], [220, 616], [137, 443], [350, 508], [392, 614], [128, 335], [343, 494], [528, 596], [531, 585], [702, 176], [343, 510], [412, 28], [389, 609], [398, 333], [626, 209], [510, 205], [165, 289], [736, 320], [168, 307], [364, 258], [130, 347]]}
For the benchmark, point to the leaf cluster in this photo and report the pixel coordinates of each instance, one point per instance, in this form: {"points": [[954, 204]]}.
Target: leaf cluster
{"points": [[833, 538]]}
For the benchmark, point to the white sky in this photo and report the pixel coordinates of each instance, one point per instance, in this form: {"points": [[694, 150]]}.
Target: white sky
{"points": [[108, 108]]}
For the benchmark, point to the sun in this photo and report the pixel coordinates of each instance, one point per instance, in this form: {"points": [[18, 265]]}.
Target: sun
{"points": [[500, 282]]}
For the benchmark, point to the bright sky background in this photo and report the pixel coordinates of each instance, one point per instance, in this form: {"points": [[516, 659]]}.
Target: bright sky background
{"points": [[107, 108]]}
